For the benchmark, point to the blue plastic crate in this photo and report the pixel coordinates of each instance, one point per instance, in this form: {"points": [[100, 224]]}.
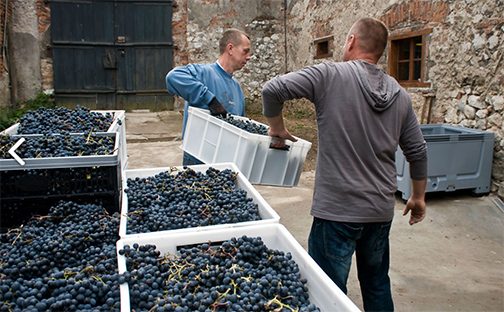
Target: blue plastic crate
{"points": [[458, 158]]}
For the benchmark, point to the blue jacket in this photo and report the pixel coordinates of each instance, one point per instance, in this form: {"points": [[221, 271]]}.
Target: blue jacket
{"points": [[199, 83]]}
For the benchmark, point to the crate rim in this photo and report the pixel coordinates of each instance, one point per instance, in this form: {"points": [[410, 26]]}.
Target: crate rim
{"points": [[308, 266], [67, 161]]}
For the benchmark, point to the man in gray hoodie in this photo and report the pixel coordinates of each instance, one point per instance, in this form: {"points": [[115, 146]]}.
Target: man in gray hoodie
{"points": [[363, 114]]}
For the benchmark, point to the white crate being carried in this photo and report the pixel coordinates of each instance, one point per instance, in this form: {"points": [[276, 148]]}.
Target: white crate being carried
{"points": [[321, 289], [266, 213], [213, 140]]}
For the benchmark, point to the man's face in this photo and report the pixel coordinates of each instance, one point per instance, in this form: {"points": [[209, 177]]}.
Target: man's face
{"points": [[241, 53]]}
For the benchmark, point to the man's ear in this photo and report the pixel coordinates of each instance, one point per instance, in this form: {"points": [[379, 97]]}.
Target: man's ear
{"points": [[229, 48], [351, 42]]}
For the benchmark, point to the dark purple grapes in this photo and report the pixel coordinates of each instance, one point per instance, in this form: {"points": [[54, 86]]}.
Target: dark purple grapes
{"points": [[247, 125], [64, 120], [187, 199], [241, 274], [65, 261], [60, 145]]}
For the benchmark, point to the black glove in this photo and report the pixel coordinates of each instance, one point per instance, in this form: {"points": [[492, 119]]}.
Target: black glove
{"points": [[216, 108]]}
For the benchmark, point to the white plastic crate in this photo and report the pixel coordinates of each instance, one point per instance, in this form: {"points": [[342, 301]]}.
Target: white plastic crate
{"points": [[321, 289], [65, 162], [213, 140], [267, 214], [119, 117]]}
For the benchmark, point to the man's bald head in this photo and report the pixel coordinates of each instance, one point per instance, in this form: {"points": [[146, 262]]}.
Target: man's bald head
{"points": [[371, 35]]}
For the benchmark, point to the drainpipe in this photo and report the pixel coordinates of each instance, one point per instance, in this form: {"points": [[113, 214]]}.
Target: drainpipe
{"points": [[5, 28], [5, 59], [285, 34]]}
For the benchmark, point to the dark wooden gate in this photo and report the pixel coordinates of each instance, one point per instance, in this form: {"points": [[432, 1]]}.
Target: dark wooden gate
{"points": [[112, 54]]}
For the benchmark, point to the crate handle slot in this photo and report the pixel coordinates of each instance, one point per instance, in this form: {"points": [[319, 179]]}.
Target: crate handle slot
{"points": [[285, 148], [276, 139]]}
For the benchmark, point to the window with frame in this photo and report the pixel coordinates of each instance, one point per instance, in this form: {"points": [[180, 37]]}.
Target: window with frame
{"points": [[406, 59], [323, 47]]}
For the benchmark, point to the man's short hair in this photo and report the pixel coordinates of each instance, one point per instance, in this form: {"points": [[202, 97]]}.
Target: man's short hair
{"points": [[372, 35], [233, 36]]}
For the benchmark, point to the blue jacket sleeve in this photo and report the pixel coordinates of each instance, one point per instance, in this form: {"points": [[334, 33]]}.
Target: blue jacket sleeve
{"points": [[186, 82]]}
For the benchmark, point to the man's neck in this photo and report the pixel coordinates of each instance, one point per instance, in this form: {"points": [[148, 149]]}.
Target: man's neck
{"points": [[225, 65]]}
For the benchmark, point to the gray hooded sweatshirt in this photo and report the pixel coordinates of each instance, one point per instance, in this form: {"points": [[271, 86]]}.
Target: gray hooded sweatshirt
{"points": [[363, 114]]}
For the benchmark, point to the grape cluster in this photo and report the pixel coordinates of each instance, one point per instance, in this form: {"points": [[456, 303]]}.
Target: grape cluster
{"points": [[64, 261], [64, 120], [241, 274], [247, 125], [59, 145], [188, 198]]}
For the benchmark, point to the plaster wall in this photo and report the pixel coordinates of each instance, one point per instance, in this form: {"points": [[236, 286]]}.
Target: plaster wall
{"points": [[24, 51]]}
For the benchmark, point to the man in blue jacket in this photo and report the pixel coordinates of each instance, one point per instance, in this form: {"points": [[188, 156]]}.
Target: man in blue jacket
{"points": [[212, 86]]}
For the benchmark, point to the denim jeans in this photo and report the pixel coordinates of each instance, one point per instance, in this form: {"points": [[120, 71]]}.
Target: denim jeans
{"points": [[189, 160], [332, 244]]}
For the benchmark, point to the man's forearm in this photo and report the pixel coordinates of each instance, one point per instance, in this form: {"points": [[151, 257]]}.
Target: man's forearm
{"points": [[418, 188], [276, 123]]}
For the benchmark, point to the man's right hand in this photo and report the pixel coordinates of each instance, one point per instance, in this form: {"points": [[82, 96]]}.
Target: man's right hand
{"points": [[278, 130], [416, 203], [216, 108], [417, 209]]}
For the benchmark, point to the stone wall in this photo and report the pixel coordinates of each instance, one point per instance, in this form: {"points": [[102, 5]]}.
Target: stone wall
{"points": [[464, 56], [198, 26], [464, 61]]}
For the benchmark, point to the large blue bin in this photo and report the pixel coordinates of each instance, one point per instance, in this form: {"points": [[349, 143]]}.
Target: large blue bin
{"points": [[458, 158]]}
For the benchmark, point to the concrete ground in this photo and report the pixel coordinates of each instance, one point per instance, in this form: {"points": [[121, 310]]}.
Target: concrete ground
{"points": [[451, 261]]}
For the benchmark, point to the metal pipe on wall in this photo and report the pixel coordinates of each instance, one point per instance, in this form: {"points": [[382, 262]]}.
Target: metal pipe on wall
{"points": [[285, 35]]}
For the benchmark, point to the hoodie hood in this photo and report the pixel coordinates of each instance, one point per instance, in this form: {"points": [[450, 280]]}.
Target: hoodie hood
{"points": [[379, 89]]}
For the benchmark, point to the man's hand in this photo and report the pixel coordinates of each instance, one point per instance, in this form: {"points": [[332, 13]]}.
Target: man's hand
{"points": [[416, 203], [216, 108], [278, 130], [417, 208]]}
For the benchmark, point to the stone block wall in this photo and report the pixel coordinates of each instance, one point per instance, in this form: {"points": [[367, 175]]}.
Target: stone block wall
{"points": [[464, 50], [198, 26], [464, 59]]}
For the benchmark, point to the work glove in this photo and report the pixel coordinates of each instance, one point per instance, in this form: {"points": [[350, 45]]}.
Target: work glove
{"points": [[216, 108]]}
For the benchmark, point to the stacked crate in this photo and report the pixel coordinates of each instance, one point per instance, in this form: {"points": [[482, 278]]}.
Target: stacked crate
{"points": [[29, 189], [322, 292], [223, 146], [111, 175]]}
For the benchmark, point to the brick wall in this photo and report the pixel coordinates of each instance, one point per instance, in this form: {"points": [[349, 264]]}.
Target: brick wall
{"points": [[415, 12], [44, 22]]}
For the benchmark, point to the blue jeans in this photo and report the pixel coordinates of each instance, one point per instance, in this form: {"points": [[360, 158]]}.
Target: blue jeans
{"points": [[189, 160], [332, 244]]}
